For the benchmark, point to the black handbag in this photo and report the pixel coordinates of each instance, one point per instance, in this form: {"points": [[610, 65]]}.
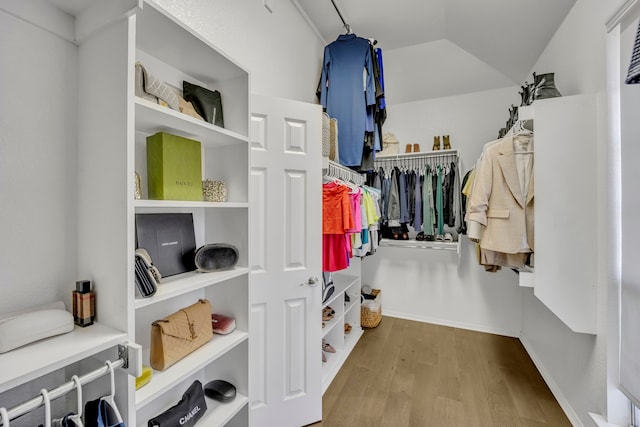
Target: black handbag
{"points": [[206, 102], [186, 412]]}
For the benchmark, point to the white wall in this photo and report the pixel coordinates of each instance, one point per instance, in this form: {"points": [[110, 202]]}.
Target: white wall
{"points": [[38, 122], [437, 286], [37, 165], [280, 51], [576, 366]]}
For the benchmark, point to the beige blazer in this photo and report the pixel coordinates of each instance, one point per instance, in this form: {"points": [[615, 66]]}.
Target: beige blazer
{"points": [[497, 203]]}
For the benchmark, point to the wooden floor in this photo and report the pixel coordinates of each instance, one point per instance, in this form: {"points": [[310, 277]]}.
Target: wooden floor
{"points": [[406, 373]]}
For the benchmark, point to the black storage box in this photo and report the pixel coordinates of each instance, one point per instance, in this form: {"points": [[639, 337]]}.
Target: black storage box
{"points": [[169, 239]]}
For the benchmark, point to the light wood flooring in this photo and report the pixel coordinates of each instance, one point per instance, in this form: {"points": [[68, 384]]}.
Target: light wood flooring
{"points": [[406, 373]]}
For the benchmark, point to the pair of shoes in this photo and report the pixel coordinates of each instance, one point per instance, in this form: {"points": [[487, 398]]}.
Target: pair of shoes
{"points": [[327, 347], [429, 238], [446, 143], [416, 148], [324, 358], [347, 298], [420, 236], [328, 313], [447, 237], [347, 328]]}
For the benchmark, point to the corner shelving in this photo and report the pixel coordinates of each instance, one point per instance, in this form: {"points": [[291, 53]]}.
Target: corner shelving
{"points": [[334, 332], [113, 127]]}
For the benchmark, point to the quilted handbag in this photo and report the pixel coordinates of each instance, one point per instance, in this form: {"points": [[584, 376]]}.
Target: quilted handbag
{"points": [[179, 334]]}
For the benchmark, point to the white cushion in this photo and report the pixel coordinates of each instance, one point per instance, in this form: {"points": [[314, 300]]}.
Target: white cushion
{"points": [[26, 328]]}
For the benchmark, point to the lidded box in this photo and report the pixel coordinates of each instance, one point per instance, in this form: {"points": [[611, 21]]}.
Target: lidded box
{"points": [[174, 167]]}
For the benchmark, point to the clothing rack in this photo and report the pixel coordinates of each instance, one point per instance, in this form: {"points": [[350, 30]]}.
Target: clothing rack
{"points": [[417, 160], [65, 388], [336, 170], [347, 27]]}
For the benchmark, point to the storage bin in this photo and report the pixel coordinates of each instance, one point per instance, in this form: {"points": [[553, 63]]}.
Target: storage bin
{"points": [[371, 310]]}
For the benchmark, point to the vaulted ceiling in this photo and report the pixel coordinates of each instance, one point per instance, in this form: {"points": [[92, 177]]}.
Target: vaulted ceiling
{"points": [[446, 47]]}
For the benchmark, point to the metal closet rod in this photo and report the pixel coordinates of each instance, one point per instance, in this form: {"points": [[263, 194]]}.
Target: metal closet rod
{"points": [[60, 391], [346, 26], [336, 170]]}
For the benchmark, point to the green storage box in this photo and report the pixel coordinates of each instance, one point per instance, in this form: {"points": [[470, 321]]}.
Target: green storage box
{"points": [[174, 167]]}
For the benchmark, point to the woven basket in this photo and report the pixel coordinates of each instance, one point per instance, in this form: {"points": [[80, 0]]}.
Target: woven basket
{"points": [[371, 311]]}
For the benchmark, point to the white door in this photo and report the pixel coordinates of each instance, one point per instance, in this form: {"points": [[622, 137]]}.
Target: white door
{"points": [[286, 263]]}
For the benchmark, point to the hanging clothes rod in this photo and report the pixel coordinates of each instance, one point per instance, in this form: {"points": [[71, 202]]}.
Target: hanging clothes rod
{"points": [[347, 27], [60, 391], [425, 155], [336, 170]]}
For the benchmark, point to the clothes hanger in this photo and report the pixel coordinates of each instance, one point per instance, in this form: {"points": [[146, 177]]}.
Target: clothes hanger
{"points": [[77, 417], [4, 417], [47, 407], [110, 398]]}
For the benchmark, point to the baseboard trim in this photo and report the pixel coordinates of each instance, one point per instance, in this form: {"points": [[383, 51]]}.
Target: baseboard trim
{"points": [[461, 325], [601, 422], [555, 390]]}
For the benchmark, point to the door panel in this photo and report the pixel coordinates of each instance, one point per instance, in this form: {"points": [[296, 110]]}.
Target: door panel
{"points": [[285, 217]]}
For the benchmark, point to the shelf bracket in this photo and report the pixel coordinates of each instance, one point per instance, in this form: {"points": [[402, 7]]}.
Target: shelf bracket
{"points": [[131, 353]]}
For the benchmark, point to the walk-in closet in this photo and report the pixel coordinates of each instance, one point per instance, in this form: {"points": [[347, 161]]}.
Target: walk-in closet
{"points": [[319, 213]]}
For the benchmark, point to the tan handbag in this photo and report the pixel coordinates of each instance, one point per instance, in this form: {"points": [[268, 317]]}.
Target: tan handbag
{"points": [[179, 334]]}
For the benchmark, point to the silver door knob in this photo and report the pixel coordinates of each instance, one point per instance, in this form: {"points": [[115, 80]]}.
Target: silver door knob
{"points": [[312, 281]]}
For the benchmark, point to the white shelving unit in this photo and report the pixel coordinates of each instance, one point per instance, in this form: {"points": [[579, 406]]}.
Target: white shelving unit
{"points": [[333, 331], [113, 127]]}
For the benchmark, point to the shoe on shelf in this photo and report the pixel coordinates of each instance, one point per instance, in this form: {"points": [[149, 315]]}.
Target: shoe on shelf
{"points": [[327, 292], [347, 328], [327, 347], [324, 358], [446, 143], [416, 148]]}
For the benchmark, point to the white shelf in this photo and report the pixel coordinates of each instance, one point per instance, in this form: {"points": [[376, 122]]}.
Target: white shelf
{"points": [[163, 380], [335, 360], [218, 413], [355, 301], [330, 324], [180, 284], [421, 244], [152, 118], [436, 153], [173, 204], [29, 362]]}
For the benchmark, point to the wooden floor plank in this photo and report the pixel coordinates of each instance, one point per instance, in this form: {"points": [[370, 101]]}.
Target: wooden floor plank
{"points": [[406, 373]]}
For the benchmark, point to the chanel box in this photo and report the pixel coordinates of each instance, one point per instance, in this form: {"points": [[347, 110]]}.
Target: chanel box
{"points": [[174, 167]]}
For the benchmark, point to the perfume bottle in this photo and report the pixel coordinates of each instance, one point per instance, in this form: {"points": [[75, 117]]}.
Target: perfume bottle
{"points": [[84, 303]]}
